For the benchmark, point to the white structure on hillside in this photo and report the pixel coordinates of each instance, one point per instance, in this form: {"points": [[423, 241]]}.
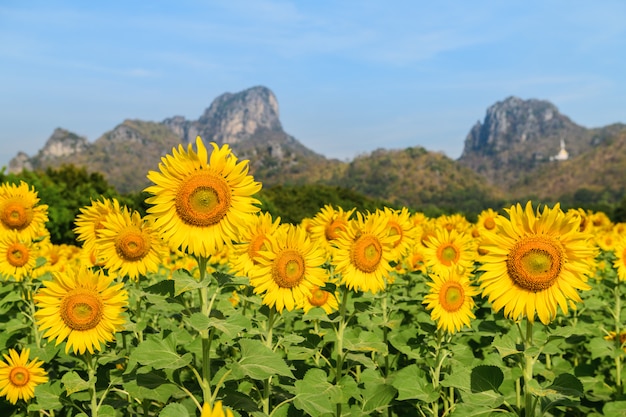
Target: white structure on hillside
{"points": [[563, 155]]}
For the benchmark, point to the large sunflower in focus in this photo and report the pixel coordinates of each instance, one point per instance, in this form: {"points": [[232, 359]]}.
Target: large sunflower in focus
{"points": [[19, 377], [364, 252], [450, 299], [82, 306], [199, 201], [21, 212], [288, 269], [129, 245], [534, 262]]}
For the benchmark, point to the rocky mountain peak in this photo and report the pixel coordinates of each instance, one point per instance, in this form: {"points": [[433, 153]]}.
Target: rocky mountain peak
{"points": [[232, 118], [513, 121], [517, 136], [62, 143]]}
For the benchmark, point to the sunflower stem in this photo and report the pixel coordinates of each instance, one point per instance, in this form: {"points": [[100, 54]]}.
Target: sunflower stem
{"points": [[91, 373], [267, 385], [618, 337], [529, 361], [339, 330], [205, 334], [138, 309]]}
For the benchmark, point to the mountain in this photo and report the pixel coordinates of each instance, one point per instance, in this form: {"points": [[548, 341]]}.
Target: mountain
{"points": [[248, 121], [518, 136], [521, 148], [528, 148]]}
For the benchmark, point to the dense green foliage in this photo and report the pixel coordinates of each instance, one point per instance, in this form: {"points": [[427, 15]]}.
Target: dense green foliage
{"points": [[293, 203]]}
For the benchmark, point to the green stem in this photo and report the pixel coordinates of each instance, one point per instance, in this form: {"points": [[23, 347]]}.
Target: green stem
{"points": [[618, 337], [205, 334], [529, 361], [440, 357], [339, 331], [138, 309], [91, 378], [267, 385]]}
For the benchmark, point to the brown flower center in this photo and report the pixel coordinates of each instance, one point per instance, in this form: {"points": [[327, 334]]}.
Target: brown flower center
{"points": [[448, 253], [256, 244], [17, 254], [81, 310], [366, 253], [203, 199], [288, 268], [318, 297], [334, 228], [451, 296], [132, 245], [535, 263], [395, 230], [16, 216], [489, 223], [19, 376]]}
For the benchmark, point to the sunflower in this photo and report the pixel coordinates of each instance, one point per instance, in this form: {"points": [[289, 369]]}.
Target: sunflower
{"points": [[89, 221], [20, 211], [486, 221], [129, 244], [82, 306], [327, 224], [321, 298], [363, 253], [534, 262], [400, 226], [199, 201], [450, 249], [19, 377], [289, 268], [17, 256], [450, 299], [253, 237], [216, 411], [451, 222]]}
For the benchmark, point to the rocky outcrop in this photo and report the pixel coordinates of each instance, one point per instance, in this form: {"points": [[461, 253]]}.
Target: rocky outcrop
{"points": [[518, 136], [61, 144], [231, 118], [248, 121]]}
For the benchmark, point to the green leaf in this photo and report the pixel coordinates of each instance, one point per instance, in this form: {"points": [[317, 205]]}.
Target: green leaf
{"points": [[485, 378], [174, 410], [615, 409], [106, 410], [314, 392], [165, 287], [151, 386], [72, 382], [159, 354], [363, 341], [378, 397], [599, 348], [506, 344], [184, 283], [47, 396], [569, 385], [411, 383], [259, 362]]}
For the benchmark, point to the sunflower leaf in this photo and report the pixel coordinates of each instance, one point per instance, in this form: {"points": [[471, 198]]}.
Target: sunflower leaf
{"points": [[74, 383], [259, 362], [485, 378], [159, 354], [174, 410]]}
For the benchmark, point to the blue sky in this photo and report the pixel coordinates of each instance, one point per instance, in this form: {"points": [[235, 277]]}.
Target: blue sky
{"points": [[350, 76]]}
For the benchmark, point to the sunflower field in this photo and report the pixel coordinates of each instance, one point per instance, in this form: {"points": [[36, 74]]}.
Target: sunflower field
{"points": [[208, 306]]}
